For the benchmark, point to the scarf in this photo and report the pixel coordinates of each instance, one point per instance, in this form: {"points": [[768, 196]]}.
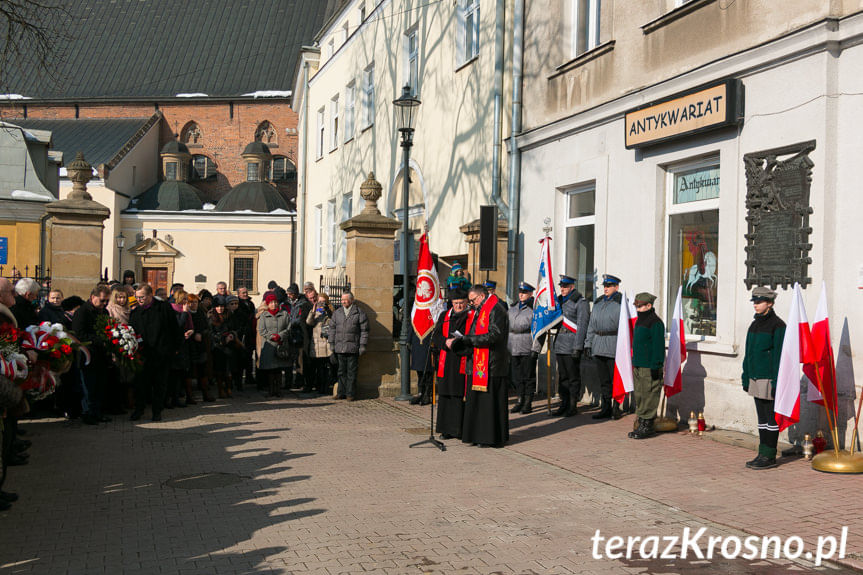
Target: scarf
{"points": [[442, 356], [118, 312], [479, 380]]}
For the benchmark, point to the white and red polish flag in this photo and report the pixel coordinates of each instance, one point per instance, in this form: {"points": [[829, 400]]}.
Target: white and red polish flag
{"points": [[428, 304], [622, 383], [796, 349], [673, 382], [823, 354]]}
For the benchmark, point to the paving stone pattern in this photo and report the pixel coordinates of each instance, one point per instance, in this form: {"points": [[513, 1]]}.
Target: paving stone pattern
{"points": [[322, 486]]}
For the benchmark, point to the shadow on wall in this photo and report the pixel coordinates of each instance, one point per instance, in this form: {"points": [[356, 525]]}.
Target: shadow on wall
{"points": [[691, 398], [379, 364]]}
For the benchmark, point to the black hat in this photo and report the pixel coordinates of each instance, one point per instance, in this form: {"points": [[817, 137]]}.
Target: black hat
{"points": [[566, 280], [272, 284], [219, 300], [294, 289], [71, 302], [610, 280], [456, 293], [525, 287]]}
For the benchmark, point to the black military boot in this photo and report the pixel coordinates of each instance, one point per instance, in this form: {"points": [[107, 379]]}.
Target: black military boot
{"points": [[519, 405], [528, 403], [632, 434], [425, 398], [616, 412], [561, 409], [645, 430], [605, 412], [572, 409], [415, 400]]}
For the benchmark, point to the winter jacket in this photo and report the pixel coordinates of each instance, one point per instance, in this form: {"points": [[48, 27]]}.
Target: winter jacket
{"points": [[763, 349], [319, 346], [84, 328], [575, 309], [495, 340], [648, 341], [521, 342], [158, 328], [24, 312], [54, 314], [268, 326], [349, 334], [602, 328]]}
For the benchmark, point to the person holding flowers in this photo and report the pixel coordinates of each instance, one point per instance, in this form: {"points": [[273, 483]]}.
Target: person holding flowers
{"points": [[95, 373]]}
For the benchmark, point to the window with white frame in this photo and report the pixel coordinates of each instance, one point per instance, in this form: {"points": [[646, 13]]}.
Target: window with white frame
{"points": [[350, 104], [334, 122], [345, 32], [319, 144], [369, 96], [580, 223], [347, 213], [332, 233], [331, 48], [362, 12], [319, 234], [467, 33], [584, 26], [411, 60], [692, 205]]}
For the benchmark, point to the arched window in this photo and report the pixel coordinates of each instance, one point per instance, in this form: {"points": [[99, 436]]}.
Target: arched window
{"points": [[191, 134], [203, 168], [266, 133], [283, 170]]}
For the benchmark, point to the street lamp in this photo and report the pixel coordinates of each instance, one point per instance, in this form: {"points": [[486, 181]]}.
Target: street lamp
{"points": [[121, 243], [406, 108]]}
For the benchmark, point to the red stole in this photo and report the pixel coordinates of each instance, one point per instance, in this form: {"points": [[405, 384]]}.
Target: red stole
{"points": [[481, 354], [442, 356]]}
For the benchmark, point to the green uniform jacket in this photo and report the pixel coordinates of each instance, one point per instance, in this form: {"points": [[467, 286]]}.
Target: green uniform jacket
{"points": [[763, 349], [648, 341]]}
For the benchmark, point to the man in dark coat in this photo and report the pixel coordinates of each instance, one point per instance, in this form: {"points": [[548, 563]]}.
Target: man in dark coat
{"points": [[52, 310], [26, 296], [451, 366], [486, 418], [95, 373], [300, 334], [349, 335], [421, 363], [155, 322], [601, 343], [569, 345]]}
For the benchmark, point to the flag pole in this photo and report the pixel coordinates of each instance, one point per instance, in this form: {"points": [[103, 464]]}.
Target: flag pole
{"points": [[856, 422], [834, 430], [548, 372]]}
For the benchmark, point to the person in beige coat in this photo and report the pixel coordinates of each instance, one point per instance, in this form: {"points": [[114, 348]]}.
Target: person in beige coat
{"points": [[320, 351]]}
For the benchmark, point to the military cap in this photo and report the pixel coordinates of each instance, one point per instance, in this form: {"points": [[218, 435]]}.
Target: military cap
{"points": [[456, 266], [456, 293], [608, 279], [524, 286], [491, 284], [644, 297], [566, 280], [762, 293]]}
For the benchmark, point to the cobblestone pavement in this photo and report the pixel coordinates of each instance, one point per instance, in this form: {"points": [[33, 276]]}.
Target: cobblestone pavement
{"points": [[317, 486]]}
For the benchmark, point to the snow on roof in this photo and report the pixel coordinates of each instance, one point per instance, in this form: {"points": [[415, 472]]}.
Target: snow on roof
{"points": [[191, 95], [270, 94], [14, 97], [28, 195]]}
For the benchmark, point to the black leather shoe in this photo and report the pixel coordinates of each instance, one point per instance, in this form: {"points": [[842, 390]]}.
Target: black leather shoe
{"points": [[416, 399], [605, 413], [8, 497], [136, 415], [157, 417], [751, 461], [528, 407], [517, 407], [616, 412], [762, 462], [561, 410]]}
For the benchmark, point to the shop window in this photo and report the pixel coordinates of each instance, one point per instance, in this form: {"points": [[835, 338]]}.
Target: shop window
{"points": [[580, 225], [693, 244]]}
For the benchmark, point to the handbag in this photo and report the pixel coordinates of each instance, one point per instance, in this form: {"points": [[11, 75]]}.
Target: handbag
{"points": [[284, 350]]}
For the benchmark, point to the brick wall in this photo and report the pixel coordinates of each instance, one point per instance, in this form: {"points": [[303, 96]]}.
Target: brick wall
{"points": [[226, 129]]}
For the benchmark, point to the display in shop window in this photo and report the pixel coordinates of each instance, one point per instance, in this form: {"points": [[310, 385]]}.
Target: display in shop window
{"points": [[695, 265]]}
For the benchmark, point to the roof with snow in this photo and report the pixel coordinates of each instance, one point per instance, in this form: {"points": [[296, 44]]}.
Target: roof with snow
{"points": [[254, 196], [164, 49], [102, 141]]}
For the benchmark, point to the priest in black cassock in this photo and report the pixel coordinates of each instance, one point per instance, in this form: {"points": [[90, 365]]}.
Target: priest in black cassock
{"points": [[486, 417], [451, 366]]}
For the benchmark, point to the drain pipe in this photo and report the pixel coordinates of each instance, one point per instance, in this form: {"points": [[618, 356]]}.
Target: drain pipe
{"points": [[300, 242], [514, 152], [499, 38]]}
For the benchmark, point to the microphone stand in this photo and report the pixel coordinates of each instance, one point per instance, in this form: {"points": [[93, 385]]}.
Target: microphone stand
{"points": [[431, 439]]}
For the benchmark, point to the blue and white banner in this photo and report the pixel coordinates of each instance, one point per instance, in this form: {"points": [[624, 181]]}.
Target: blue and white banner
{"points": [[546, 307]]}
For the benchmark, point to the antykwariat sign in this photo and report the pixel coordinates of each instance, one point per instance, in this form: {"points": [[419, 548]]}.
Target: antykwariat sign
{"points": [[705, 108]]}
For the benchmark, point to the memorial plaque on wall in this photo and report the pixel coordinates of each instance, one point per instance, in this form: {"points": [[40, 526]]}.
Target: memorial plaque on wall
{"points": [[777, 204]]}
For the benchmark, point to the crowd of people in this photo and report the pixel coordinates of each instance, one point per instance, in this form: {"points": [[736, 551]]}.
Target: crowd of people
{"points": [[193, 347]]}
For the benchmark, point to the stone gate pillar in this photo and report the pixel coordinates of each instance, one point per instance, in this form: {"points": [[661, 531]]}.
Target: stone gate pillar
{"points": [[370, 238], [76, 234]]}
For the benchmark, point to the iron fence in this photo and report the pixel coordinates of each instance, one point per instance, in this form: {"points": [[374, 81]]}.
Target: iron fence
{"points": [[40, 274], [334, 286]]}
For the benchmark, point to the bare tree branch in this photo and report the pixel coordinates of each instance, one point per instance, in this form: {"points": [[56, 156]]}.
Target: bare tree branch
{"points": [[30, 33]]}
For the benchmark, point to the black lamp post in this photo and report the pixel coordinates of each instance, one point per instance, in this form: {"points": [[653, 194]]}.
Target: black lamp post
{"points": [[406, 109], [121, 243]]}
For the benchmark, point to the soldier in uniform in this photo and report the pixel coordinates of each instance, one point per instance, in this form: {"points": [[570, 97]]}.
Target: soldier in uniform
{"points": [[601, 342], [760, 371], [648, 356], [491, 286], [569, 345], [523, 349], [451, 366]]}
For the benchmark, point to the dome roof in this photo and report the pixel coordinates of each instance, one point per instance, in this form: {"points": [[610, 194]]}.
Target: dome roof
{"points": [[255, 196], [258, 148], [175, 147], [170, 197]]}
